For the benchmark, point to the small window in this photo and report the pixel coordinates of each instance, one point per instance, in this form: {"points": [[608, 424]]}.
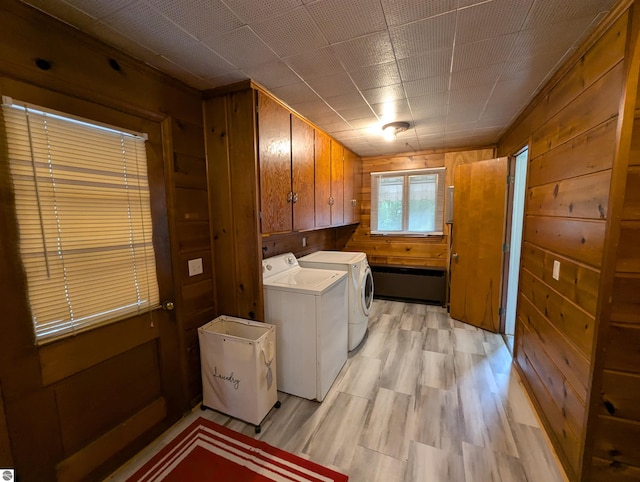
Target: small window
{"points": [[407, 202], [84, 218]]}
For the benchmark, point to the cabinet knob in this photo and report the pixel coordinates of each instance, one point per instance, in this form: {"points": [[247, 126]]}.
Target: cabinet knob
{"points": [[331, 201], [295, 197], [289, 197], [354, 202]]}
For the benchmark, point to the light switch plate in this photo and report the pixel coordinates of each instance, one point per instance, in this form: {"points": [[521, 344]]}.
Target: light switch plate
{"points": [[195, 266], [556, 269]]}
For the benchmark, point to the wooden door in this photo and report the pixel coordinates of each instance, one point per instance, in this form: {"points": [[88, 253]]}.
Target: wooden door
{"points": [[323, 179], [274, 153], [349, 194], [78, 407], [478, 236], [337, 184], [302, 168]]}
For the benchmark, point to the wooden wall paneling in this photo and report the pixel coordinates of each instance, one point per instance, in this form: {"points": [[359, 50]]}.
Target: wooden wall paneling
{"points": [[628, 254], [617, 439], [577, 282], [620, 395], [554, 386], [244, 199], [568, 444], [581, 240], [595, 105], [222, 235], [337, 183], [6, 459], [622, 351], [581, 71], [274, 152], [316, 240], [323, 179], [80, 466], [569, 361], [631, 210], [584, 197], [303, 174], [588, 153], [85, 401], [602, 470], [82, 68], [577, 325], [626, 298]]}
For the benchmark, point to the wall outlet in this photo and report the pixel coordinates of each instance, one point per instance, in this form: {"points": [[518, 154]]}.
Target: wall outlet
{"points": [[304, 241], [195, 266], [556, 269]]}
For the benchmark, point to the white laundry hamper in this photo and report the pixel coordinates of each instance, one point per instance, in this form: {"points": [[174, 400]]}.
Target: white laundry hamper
{"points": [[238, 362]]}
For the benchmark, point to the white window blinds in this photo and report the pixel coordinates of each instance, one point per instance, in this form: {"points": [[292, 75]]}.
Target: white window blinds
{"points": [[408, 202], [83, 210]]}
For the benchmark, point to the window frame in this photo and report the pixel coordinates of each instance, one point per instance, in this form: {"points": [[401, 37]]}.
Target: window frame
{"points": [[438, 215]]}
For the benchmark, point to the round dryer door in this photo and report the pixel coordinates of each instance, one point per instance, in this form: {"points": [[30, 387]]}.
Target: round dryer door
{"points": [[366, 291]]}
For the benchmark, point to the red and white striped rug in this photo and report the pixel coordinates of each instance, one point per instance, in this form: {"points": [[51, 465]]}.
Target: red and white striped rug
{"points": [[206, 451]]}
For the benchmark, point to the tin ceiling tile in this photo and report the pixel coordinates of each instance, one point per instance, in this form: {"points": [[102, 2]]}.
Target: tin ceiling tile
{"points": [[372, 49], [272, 74], [290, 33], [468, 95], [142, 22], [346, 101], [335, 84], [384, 94], [491, 19], [429, 64], [250, 11], [429, 85], [316, 63], [485, 52], [557, 36], [243, 45], [201, 18], [477, 76], [376, 76], [339, 20], [423, 36], [545, 13], [398, 13], [202, 61], [95, 8], [295, 93], [356, 113]]}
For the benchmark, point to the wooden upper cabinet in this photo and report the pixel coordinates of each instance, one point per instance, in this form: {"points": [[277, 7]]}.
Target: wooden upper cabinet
{"points": [[302, 168], [274, 154], [337, 184], [351, 188], [323, 179]]}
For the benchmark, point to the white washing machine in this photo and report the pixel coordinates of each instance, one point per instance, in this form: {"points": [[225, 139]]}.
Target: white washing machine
{"points": [[360, 281], [309, 309]]}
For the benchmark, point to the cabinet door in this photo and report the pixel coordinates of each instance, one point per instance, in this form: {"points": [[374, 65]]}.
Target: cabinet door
{"points": [[349, 194], [357, 187], [274, 154], [302, 168], [337, 184], [323, 179]]}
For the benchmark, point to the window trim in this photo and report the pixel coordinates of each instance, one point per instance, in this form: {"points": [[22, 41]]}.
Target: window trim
{"points": [[406, 174]]}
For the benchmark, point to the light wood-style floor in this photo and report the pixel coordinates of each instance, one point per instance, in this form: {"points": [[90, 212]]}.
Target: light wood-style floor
{"points": [[425, 398]]}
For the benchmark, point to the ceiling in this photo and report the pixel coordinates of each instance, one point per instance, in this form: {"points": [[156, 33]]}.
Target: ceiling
{"points": [[459, 71]]}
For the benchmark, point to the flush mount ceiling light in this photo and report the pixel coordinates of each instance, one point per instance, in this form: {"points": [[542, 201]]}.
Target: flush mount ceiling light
{"points": [[392, 129]]}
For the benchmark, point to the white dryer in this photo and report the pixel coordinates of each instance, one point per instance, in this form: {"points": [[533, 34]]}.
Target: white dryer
{"points": [[309, 309], [360, 281]]}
